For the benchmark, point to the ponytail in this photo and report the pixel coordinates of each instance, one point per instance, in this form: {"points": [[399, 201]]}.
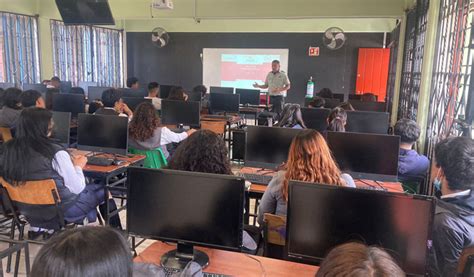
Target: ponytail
{"points": [[337, 120]]}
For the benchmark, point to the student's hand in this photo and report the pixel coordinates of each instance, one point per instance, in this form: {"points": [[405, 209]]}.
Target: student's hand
{"points": [[190, 132], [79, 160], [127, 110], [255, 85]]}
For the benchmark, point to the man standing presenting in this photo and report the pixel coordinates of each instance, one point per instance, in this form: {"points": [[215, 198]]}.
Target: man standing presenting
{"points": [[277, 83]]}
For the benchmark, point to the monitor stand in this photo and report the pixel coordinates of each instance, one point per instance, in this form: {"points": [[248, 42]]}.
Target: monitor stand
{"points": [[180, 257]]}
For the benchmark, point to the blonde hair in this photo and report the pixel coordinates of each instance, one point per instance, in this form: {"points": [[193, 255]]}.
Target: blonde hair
{"points": [[310, 160]]}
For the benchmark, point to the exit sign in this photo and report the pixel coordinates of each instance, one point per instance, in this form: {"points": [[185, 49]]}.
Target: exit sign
{"points": [[313, 51]]}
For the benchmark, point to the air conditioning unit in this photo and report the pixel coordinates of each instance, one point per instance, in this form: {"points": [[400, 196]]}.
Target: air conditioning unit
{"points": [[162, 4]]}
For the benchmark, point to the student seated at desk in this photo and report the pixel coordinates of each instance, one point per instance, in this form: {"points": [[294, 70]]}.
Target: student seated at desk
{"points": [[337, 120], [31, 155], [177, 94], [153, 92], [309, 160], [453, 227], [132, 83], [11, 108], [113, 104], [346, 106], [317, 102], [145, 132], [291, 117], [359, 260], [204, 96], [325, 93], [410, 163], [32, 98], [368, 97], [94, 106]]}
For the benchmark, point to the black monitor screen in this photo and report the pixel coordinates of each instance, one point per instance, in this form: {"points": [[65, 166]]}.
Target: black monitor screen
{"points": [[267, 147], [38, 87], [249, 96], [338, 96], [180, 112], [224, 102], [368, 106], [128, 92], [165, 91], [61, 127], [95, 93], [194, 96], [316, 118], [321, 217], [65, 86], [72, 103], [331, 103], [221, 90], [355, 96], [133, 102], [85, 86], [102, 133], [367, 122], [366, 156], [162, 204]]}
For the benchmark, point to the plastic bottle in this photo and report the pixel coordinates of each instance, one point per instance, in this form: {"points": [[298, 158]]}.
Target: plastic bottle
{"points": [[310, 88]]}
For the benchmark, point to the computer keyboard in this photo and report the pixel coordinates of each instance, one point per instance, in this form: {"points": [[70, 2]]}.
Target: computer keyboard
{"points": [[372, 188], [257, 178], [100, 161], [172, 271]]}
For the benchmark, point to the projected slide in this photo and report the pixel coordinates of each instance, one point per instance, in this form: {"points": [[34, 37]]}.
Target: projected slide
{"points": [[240, 68]]}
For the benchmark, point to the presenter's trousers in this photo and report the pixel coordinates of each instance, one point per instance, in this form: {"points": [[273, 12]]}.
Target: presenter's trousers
{"points": [[277, 104]]}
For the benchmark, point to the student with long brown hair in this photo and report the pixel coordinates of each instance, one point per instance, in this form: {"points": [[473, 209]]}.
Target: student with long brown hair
{"points": [[309, 160], [337, 120], [146, 133]]}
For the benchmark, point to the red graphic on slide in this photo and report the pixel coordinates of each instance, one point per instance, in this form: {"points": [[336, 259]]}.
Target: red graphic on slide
{"points": [[233, 71]]}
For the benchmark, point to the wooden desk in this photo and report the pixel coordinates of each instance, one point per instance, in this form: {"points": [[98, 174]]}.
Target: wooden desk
{"points": [[233, 263]]}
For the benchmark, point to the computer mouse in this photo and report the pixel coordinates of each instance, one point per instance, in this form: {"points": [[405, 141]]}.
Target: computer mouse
{"points": [[117, 162]]}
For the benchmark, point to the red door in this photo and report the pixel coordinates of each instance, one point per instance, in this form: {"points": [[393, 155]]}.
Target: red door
{"points": [[372, 71]]}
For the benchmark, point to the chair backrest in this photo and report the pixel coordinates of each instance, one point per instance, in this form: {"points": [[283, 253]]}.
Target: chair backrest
{"points": [[466, 262], [155, 159], [5, 133], [217, 126], [43, 192], [274, 229]]}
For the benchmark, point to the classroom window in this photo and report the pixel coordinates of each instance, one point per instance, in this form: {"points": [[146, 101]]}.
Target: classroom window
{"points": [[85, 53], [19, 55]]}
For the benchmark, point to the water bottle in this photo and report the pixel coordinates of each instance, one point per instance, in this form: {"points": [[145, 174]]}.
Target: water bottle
{"points": [[310, 88]]}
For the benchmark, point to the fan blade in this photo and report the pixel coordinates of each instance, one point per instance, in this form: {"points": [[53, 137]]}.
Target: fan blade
{"points": [[340, 36], [328, 34], [162, 42], [332, 44]]}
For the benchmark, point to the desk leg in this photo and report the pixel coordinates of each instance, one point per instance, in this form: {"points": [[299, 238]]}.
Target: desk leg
{"points": [[247, 208]]}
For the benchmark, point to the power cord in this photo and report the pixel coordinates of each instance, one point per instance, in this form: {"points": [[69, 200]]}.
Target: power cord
{"points": [[264, 273]]}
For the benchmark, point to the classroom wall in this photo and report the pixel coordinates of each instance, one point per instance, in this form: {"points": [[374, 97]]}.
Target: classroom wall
{"points": [[180, 62]]}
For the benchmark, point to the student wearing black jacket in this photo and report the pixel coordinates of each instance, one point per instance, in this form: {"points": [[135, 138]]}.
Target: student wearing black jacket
{"points": [[453, 228]]}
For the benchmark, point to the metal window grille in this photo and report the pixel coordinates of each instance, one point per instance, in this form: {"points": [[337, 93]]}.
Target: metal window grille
{"points": [[393, 45]]}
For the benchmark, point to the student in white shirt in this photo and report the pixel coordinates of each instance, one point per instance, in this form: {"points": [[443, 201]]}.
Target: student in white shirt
{"points": [[153, 92], [145, 132], [113, 104]]}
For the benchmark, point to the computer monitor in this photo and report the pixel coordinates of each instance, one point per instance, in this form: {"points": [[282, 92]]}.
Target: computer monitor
{"points": [[7, 85], [331, 103], [339, 96], [367, 122], [248, 96], [66, 102], [267, 147], [221, 90], [133, 102], [224, 102], [61, 128], [366, 156], [355, 96], [316, 118], [165, 91], [194, 96], [368, 106], [129, 92], [38, 87], [85, 86], [162, 205], [321, 217], [102, 133], [65, 86], [180, 113], [95, 93]]}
